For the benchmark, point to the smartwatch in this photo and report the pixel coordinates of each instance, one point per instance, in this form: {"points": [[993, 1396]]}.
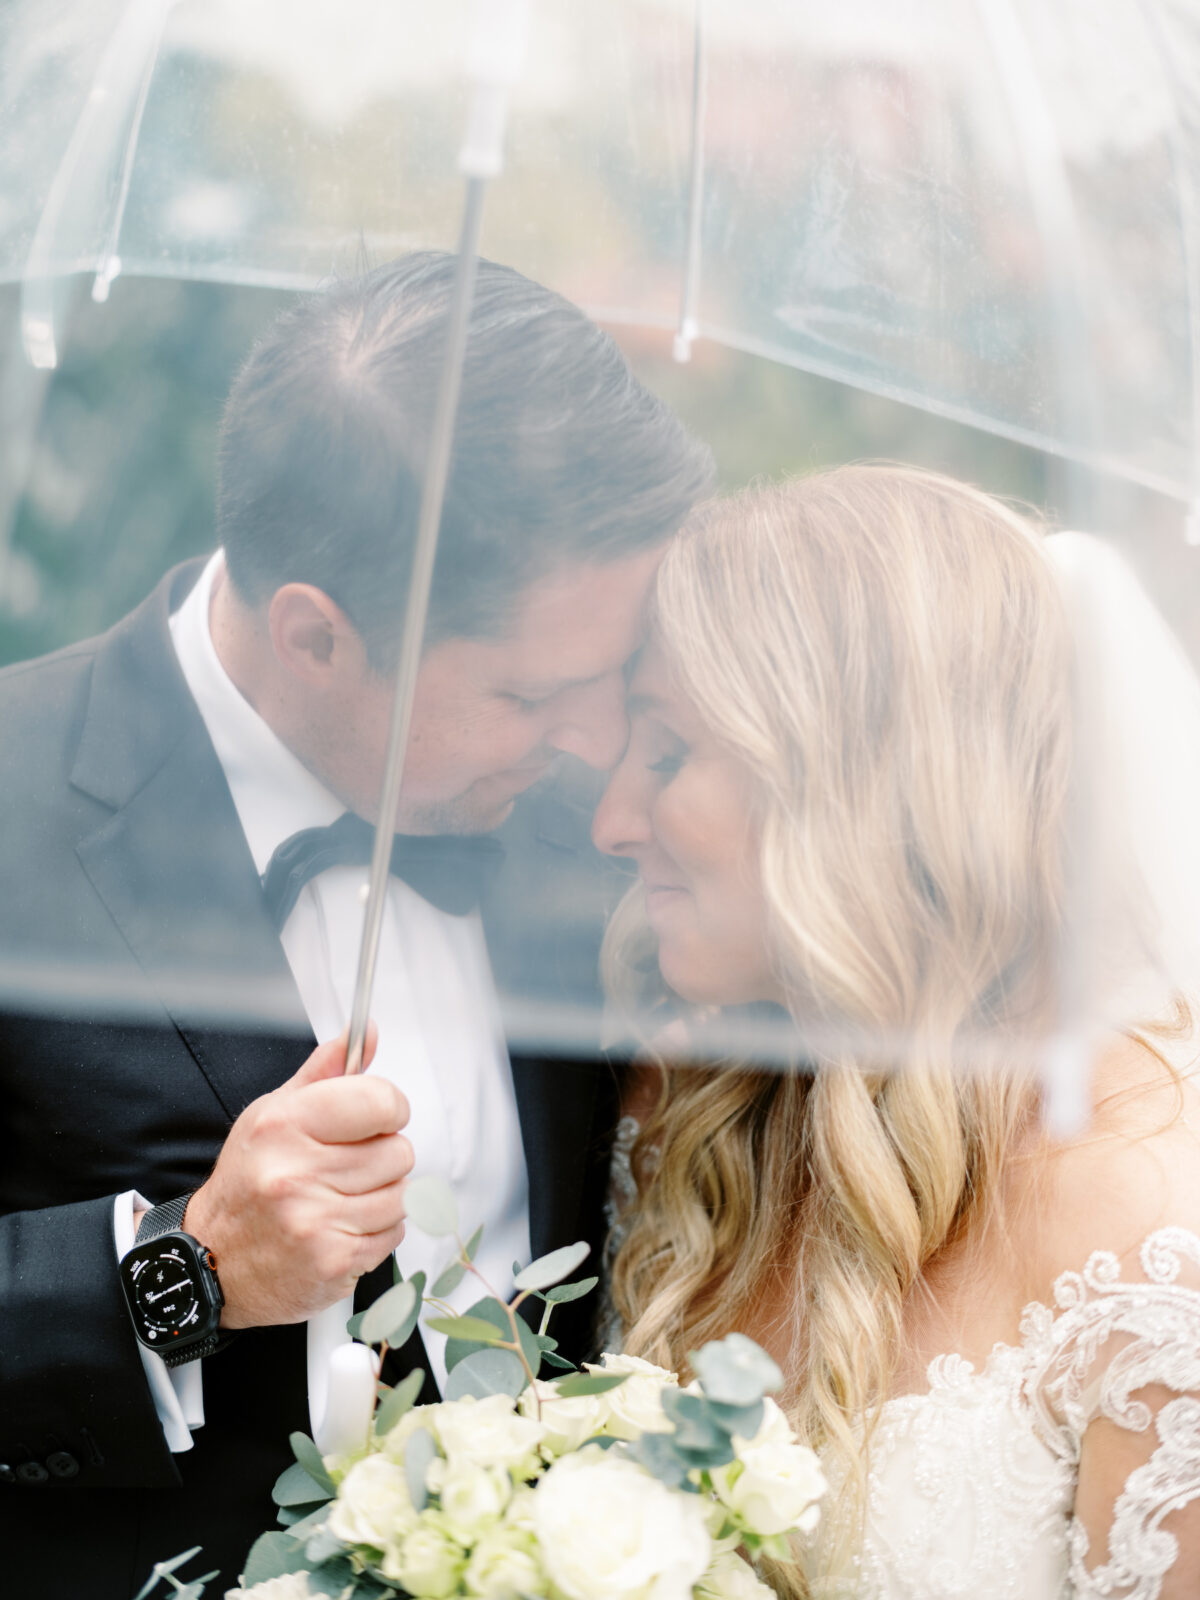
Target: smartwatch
{"points": [[171, 1287]]}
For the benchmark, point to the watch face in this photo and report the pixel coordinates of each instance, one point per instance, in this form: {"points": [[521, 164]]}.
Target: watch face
{"points": [[166, 1291]]}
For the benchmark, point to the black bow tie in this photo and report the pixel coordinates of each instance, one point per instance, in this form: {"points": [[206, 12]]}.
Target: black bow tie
{"points": [[450, 870]]}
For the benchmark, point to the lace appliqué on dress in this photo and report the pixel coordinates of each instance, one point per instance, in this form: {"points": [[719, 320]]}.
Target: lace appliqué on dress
{"points": [[1112, 1339], [971, 1486], [618, 1207]]}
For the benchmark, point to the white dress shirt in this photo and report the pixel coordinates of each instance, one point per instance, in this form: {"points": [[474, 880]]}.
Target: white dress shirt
{"points": [[440, 1035]]}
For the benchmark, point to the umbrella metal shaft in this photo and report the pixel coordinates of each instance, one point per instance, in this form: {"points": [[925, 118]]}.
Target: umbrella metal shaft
{"points": [[433, 492]]}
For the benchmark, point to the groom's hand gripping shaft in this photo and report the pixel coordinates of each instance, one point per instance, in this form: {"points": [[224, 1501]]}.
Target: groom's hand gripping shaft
{"points": [[307, 1193]]}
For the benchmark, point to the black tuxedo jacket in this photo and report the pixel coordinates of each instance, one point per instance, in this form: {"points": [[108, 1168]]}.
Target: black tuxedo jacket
{"points": [[122, 861]]}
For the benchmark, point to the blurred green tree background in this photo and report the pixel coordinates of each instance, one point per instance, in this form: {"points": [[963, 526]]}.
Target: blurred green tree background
{"points": [[118, 483]]}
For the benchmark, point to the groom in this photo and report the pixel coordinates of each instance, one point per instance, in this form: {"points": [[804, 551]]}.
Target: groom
{"points": [[162, 788]]}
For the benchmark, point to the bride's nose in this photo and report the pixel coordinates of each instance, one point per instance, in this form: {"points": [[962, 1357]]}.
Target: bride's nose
{"points": [[621, 825]]}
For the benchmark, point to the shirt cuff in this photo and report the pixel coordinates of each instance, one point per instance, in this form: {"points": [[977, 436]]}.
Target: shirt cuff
{"points": [[178, 1392]]}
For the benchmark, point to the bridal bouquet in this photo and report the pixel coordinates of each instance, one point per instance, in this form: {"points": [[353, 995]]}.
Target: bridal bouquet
{"points": [[614, 1483]]}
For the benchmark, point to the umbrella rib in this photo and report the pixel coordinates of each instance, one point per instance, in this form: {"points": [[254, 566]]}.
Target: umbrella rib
{"points": [[433, 491]]}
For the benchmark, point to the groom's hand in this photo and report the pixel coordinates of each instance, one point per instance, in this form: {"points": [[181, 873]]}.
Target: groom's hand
{"points": [[307, 1193]]}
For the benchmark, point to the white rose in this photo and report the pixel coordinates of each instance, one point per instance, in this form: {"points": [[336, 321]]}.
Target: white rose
{"points": [[427, 1562], [522, 1509], [291, 1586], [731, 1578], [504, 1566], [566, 1420], [773, 1429], [609, 1531], [636, 1406], [373, 1505], [488, 1433], [472, 1496], [772, 1488], [393, 1442]]}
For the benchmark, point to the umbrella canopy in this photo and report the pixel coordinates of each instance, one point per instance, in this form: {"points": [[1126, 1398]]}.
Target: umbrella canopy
{"points": [[988, 211]]}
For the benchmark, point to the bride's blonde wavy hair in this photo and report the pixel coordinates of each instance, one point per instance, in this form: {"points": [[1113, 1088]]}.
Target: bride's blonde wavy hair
{"points": [[886, 651]]}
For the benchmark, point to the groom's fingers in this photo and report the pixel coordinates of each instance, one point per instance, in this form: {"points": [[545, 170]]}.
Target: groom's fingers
{"points": [[371, 1164], [328, 1060], [348, 1110]]}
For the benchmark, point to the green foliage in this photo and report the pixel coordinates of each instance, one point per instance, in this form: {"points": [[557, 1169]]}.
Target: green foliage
{"points": [[429, 1203], [271, 1556], [590, 1383], [562, 1292], [734, 1371], [472, 1245], [552, 1268], [309, 1457], [484, 1373], [419, 1450], [448, 1279], [399, 1401], [471, 1330], [161, 1570], [395, 1311], [295, 1486]]}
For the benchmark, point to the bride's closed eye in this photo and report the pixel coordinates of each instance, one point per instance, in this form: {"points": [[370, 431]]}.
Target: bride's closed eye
{"points": [[669, 765]]}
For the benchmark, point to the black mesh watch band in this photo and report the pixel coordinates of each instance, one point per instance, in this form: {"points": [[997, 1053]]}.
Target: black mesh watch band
{"points": [[167, 1218], [195, 1352]]}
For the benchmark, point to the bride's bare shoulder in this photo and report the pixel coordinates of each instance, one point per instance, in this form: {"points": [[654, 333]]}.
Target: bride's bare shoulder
{"points": [[1137, 1167]]}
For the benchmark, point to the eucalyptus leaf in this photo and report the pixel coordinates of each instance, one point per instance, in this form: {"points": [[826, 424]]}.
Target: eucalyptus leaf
{"points": [[399, 1402], [590, 1383], [354, 1325], [735, 1371], [553, 1268], [291, 1517], [485, 1373], [492, 1311], [557, 1362], [397, 1275], [299, 1527], [331, 1577], [448, 1279], [473, 1329], [271, 1556], [420, 1449], [545, 1343], [195, 1589], [745, 1421], [322, 1544], [562, 1292], [309, 1457], [369, 1587], [472, 1244], [295, 1486], [387, 1316], [695, 1428], [657, 1453], [430, 1204]]}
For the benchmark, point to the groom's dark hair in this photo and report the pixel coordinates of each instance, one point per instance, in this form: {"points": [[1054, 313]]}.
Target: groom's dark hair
{"points": [[560, 454]]}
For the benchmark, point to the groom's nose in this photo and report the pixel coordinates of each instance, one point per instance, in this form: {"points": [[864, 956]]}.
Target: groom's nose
{"points": [[591, 722], [622, 820]]}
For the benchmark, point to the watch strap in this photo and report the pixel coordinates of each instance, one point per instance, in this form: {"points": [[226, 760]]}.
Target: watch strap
{"points": [[195, 1352], [167, 1218]]}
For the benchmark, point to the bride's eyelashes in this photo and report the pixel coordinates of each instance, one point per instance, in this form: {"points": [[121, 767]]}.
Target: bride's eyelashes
{"points": [[668, 765]]}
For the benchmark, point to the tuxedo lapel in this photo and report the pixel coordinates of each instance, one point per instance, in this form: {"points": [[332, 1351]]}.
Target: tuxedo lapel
{"points": [[173, 868]]}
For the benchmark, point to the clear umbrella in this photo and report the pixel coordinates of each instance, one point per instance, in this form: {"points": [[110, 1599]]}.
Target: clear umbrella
{"points": [[989, 213]]}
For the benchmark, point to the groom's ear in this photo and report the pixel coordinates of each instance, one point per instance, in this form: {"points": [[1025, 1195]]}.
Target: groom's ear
{"points": [[313, 639]]}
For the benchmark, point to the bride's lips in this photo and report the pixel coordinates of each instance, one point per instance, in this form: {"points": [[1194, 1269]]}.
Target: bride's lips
{"points": [[662, 896]]}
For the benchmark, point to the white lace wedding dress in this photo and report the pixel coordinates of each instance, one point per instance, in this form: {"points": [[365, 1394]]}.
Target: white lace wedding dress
{"points": [[972, 1486]]}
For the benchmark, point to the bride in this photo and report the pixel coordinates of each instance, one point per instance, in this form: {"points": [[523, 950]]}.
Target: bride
{"points": [[847, 792]]}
